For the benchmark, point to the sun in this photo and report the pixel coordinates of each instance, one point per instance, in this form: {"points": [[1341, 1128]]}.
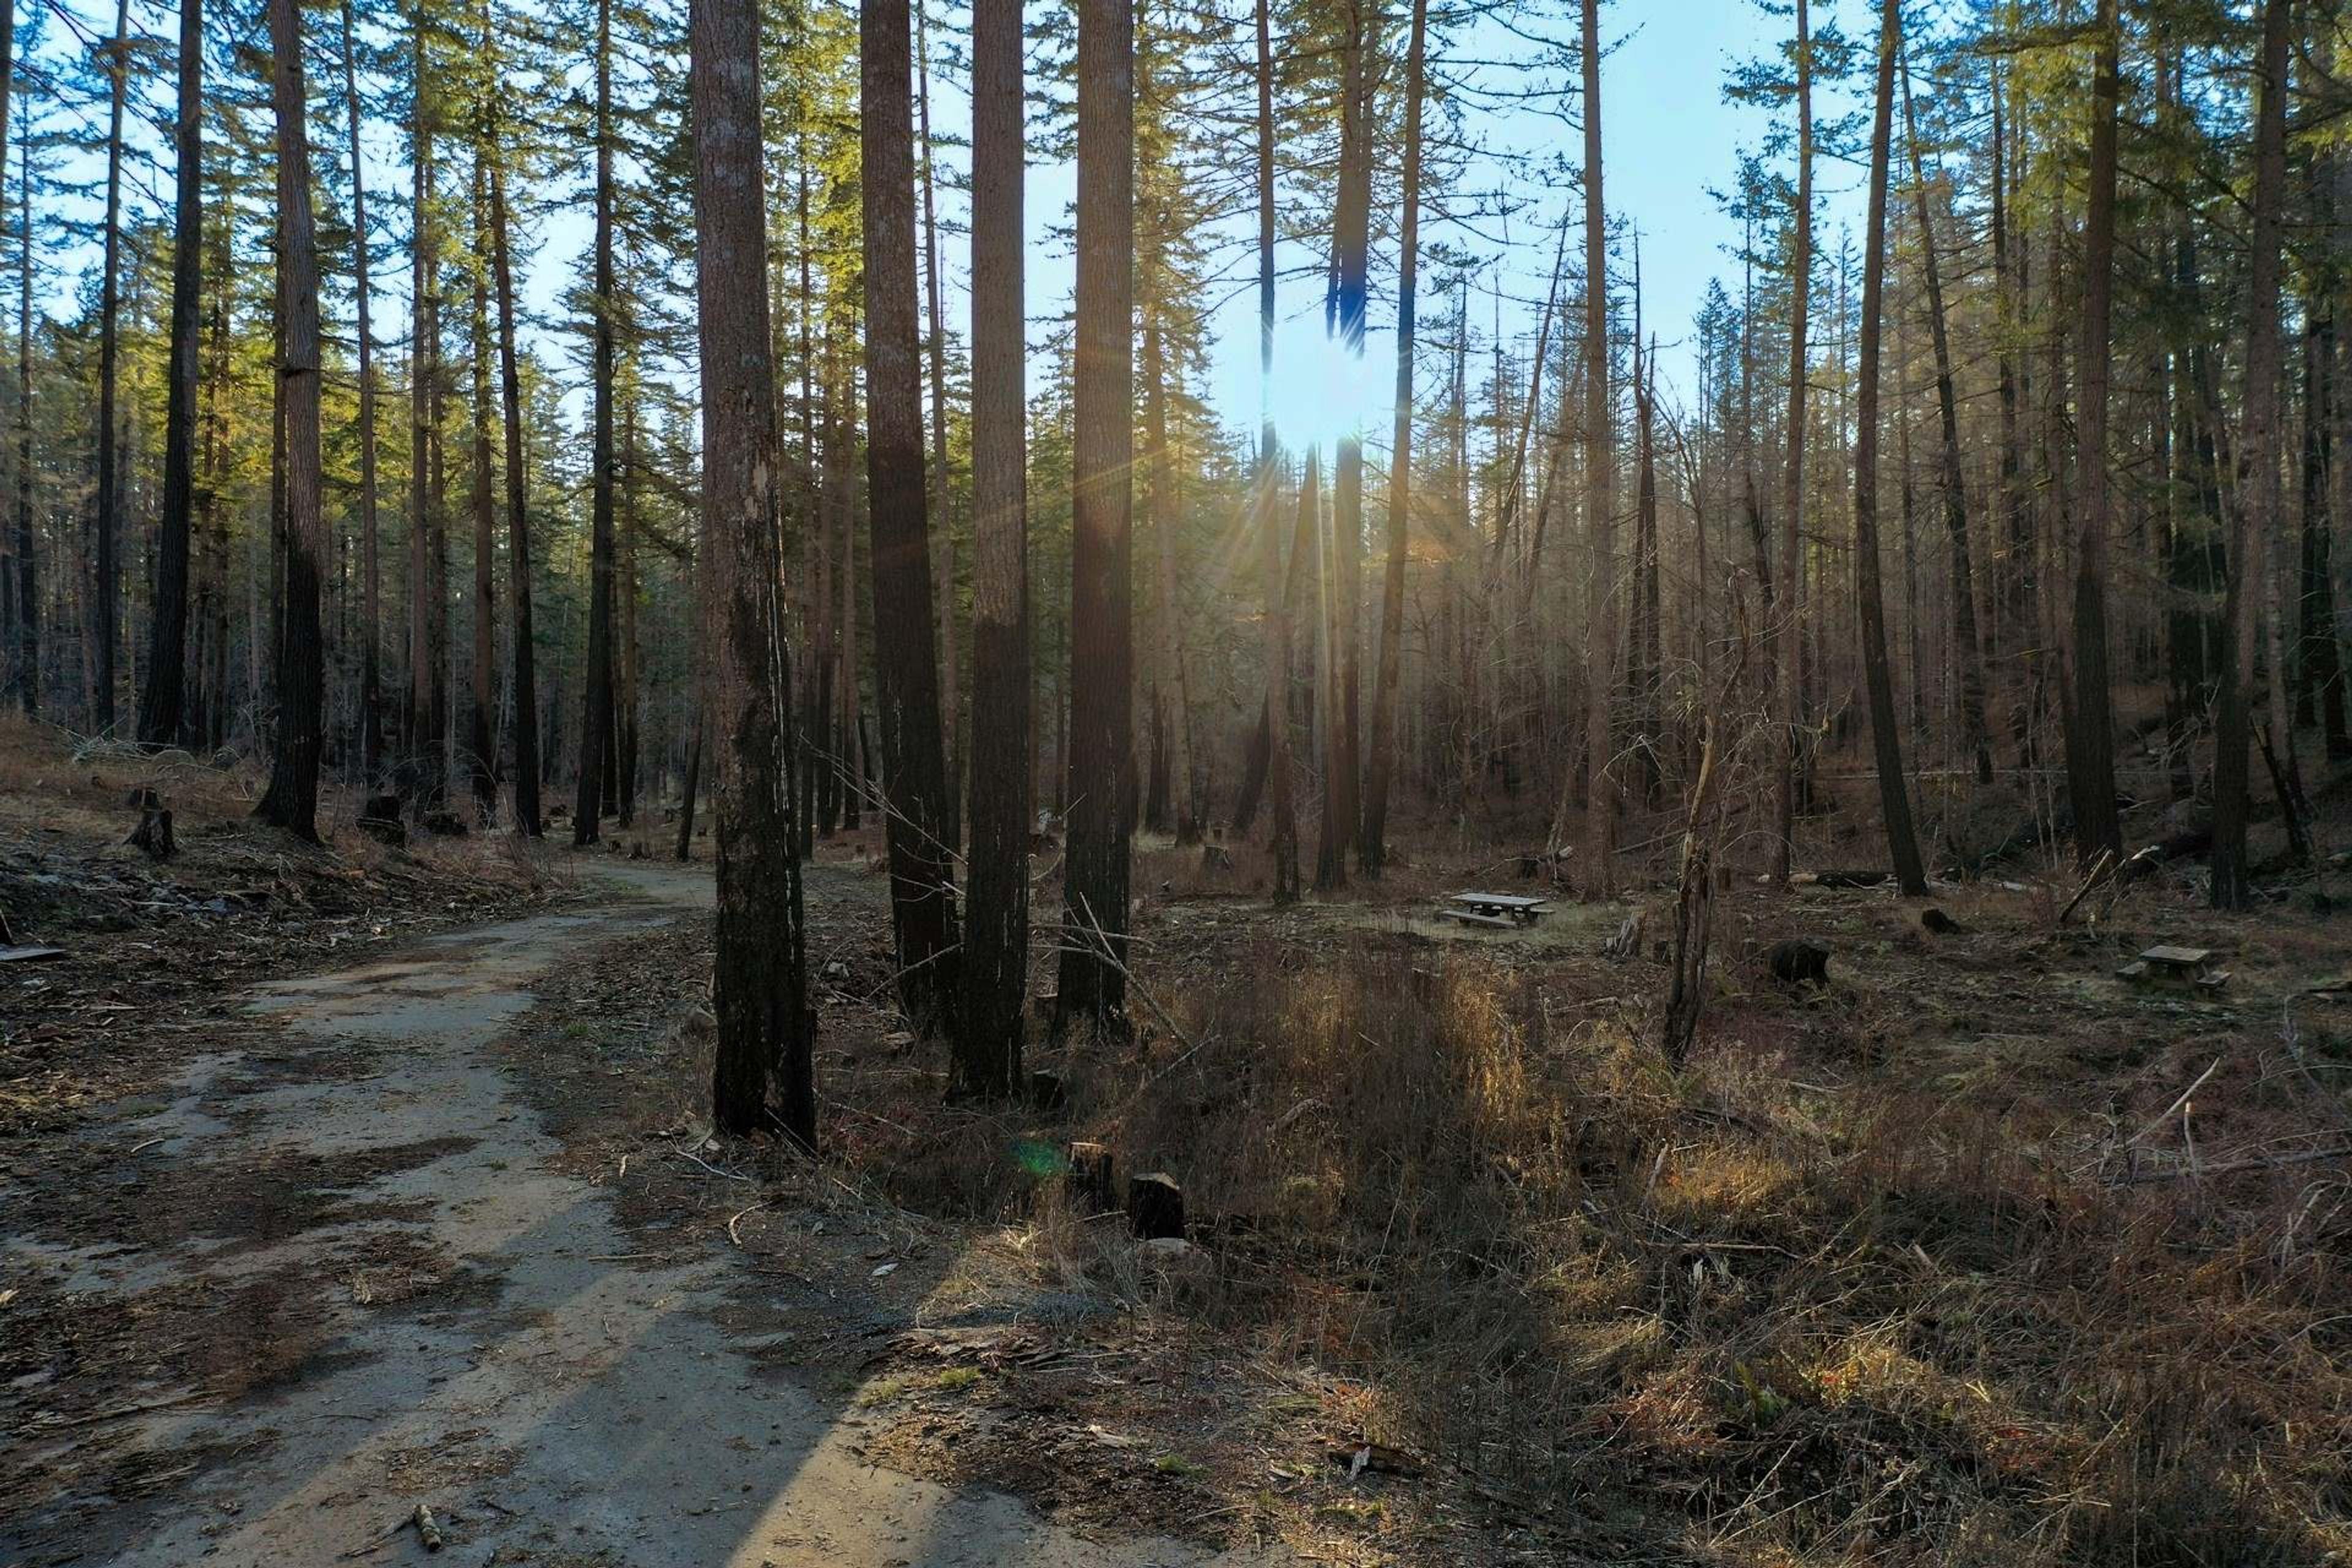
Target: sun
{"points": [[1319, 393]]}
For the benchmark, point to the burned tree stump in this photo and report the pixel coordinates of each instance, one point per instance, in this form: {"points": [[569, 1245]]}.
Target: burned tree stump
{"points": [[1800, 961], [154, 834], [1089, 1176], [380, 820], [1155, 1205]]}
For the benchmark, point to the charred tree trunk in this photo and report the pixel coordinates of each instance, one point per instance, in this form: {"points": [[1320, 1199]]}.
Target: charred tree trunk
{"points": [[1966, 653], [596, 722], [107, 587], [291, 801], [1093, 984], [2090, 737], [996, 907], [526, 696], [162, 702], [1886, 742], [1372, 843], [1792, 493], [906, 667], [765, 1076], [28, 598], [2258, 461], [483, 728]]}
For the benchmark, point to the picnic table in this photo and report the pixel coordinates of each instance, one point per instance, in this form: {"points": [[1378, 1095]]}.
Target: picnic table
{"points": [[1500, 909], [2167, 964]]}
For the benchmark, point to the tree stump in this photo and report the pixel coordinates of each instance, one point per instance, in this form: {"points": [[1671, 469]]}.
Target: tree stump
{"points": [[154, 834], [1800, 961], [1155, 1205], [1089, 1176]]}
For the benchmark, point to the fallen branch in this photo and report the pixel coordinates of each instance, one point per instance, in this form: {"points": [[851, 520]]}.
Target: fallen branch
{"points": [[730, 1175], [2261, 1163]]}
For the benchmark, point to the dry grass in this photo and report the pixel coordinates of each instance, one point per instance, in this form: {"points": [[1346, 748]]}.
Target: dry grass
{"points": [[1869, 1280]]}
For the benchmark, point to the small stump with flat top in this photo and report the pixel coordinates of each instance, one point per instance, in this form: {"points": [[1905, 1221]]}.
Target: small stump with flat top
{"points": [[1155, 1205]]}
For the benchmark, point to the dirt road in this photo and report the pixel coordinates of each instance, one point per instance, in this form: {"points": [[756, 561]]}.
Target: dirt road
{"points": [[353, 1216]]}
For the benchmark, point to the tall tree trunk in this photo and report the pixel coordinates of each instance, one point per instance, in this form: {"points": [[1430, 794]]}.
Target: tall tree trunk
{"points": [[848, 768], [2257, 491], [483, 721], [291, 801], [2090, 738], [943, 537], [1093, 982], [162, 702], [106, 621], [526, 696], [763, 1076], [596, 722], [996, 909], [427, 766], [1160, 513], [1372, 845], [2320, 696], [2015, 588], [1949, 479], [1345, 312], [1285, 843], [370, 565], [28, 598], [1886, 737], [907, 671], [1601, 473]]}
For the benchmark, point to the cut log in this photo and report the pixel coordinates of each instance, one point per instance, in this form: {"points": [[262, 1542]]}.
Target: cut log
{"points": [[1800, 961], [1846, 879], [1155, 1205], [1089, 1176], [154, 834]]}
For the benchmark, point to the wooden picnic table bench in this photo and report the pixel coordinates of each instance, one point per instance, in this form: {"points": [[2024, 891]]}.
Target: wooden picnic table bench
{"points": [[2178, 966], [1503, 909]]}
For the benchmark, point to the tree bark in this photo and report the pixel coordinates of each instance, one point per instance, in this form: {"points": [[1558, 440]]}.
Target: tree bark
{"points": [[291, 800], [483, 729], [1372, 844], [996, 911], [1601, 475], [596, 722], [108, 587], [941, 536], [906, 666], [162, 702], [526, 696], [1093, 982], [1886, 737], [428, 764], [1346, 312], [28, 598], [763, 1076], [2090, 737], [2257, 491], [1948, 479]]}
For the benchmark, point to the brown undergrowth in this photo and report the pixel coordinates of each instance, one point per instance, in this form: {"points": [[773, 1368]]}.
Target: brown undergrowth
{"points": [[151, 948], [1930, 1267]]}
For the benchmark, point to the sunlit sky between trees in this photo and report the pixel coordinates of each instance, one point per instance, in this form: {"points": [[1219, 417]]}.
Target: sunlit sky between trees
{"points": [[1671, 139]]}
